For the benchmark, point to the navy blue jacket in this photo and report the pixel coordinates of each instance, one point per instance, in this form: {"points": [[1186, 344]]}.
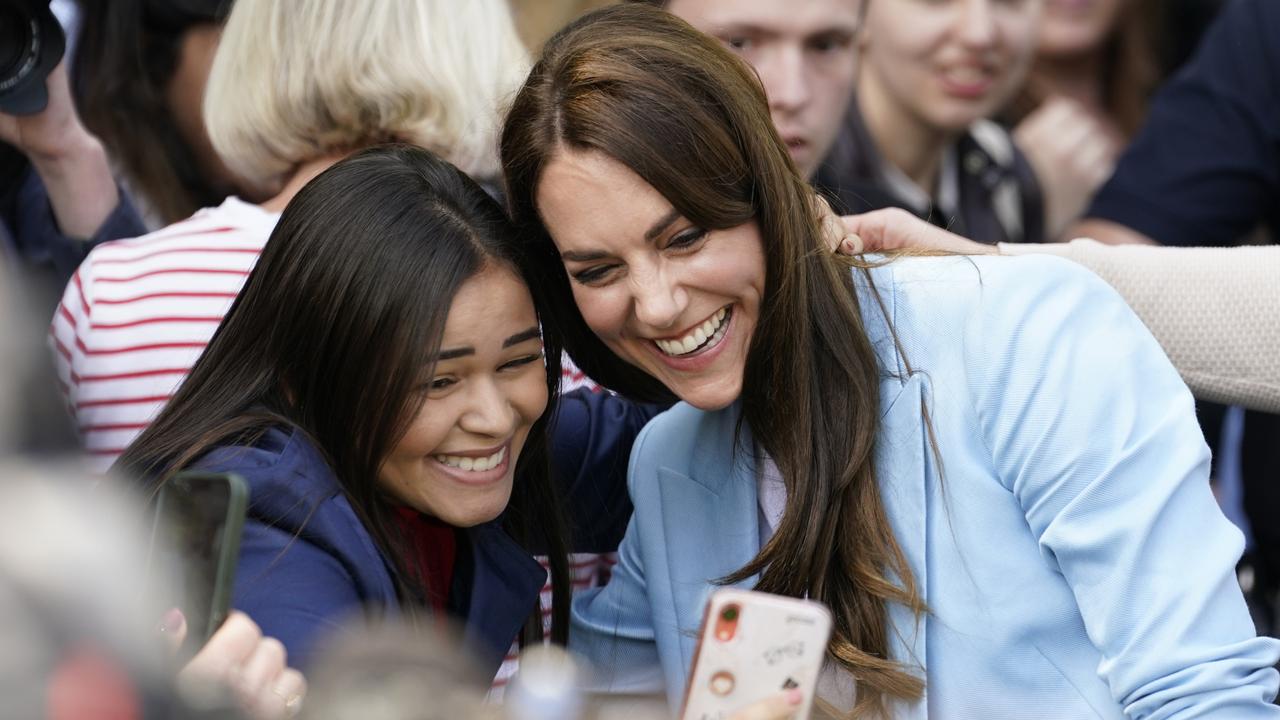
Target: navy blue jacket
{"points": [[1205, 168], [307, 563]]}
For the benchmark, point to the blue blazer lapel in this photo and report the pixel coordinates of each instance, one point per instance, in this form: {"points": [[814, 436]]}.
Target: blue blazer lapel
{"points": [[903, 457], [709, 508]]}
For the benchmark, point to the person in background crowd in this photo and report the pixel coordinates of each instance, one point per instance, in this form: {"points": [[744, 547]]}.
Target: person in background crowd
{"points": [[58, 199], [394, 435], [887, 440], [805, 54], [1095, 68], [1205, 171], [292, 91], [918, 136], [139, 74]]}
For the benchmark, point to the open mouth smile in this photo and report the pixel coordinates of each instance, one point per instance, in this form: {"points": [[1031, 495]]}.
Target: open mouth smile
{"points": [[704, 336]]}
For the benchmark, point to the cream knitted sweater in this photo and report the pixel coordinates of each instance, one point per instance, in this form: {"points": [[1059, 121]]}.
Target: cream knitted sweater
{"points": [[1216, 311]]}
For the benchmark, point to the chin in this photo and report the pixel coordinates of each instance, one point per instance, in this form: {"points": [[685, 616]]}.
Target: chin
{"points": [[475, 513], [711, 397]]}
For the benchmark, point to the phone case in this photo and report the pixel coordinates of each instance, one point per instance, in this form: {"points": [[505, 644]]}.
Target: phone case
{"points": [[205, 548], [772, 644]]}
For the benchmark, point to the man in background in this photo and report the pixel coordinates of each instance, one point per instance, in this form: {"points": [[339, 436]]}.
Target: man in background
{"points": [[805, 52]]}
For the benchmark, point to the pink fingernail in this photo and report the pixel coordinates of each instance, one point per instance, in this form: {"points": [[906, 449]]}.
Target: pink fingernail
{"points": [[172, 621], [794, 696]]}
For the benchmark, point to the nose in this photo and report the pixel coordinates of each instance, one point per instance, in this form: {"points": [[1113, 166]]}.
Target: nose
{"points": [[783, 74], [489, 411], [977, 28], [658, 301]]}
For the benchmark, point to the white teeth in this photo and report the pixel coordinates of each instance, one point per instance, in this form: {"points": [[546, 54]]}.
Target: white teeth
{"points": [[470, 464], [713, 328]]}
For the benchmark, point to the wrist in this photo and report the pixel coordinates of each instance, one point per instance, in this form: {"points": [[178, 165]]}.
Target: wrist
{"points": [[78, 180], [75, 150]]}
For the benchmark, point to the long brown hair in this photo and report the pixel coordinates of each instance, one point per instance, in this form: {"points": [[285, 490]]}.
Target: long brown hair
{"points": [[690, 118], [332, 332]]}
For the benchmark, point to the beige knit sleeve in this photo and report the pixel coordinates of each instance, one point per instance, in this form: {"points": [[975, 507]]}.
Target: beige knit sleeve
{"points": [[1216, 311]]}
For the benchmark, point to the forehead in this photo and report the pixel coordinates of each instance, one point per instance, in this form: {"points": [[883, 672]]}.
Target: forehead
{"points": [[587, 197], [784, 18], [490, 306]]}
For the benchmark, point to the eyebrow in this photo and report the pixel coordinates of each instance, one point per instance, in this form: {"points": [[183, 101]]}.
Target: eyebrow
{"points": [[765, 31], [650, 235], [663, 223], [522, 336]]}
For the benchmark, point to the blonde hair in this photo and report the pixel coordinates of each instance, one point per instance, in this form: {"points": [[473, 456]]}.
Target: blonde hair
{"points": [[294, 80]]}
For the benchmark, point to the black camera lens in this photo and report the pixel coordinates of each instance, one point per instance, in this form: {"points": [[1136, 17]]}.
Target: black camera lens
{"points": [[16, 40], [31, 44], [730, 613]]}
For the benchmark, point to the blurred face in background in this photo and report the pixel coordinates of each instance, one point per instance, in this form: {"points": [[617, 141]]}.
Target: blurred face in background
{"points": [[805, 53], [942, 64], [1074, 27]]}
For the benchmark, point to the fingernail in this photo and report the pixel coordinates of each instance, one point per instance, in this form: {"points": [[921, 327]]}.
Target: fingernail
{"points": [[794, 696], [171, 622]]}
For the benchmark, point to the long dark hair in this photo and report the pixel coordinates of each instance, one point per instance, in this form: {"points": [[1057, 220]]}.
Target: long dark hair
{"points": [[332, 332], [690, 118], [127, 52]]}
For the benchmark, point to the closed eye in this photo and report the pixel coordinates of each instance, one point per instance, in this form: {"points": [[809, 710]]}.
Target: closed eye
{"points": [[521, 361], [593, 275], [442, 383], [830, 42], [687, 239]]}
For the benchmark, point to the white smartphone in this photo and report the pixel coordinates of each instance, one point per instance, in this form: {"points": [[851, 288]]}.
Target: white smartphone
{"points": [[753, 645]]}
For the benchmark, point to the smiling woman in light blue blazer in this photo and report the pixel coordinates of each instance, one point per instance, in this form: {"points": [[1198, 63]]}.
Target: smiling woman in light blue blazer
{"points": [[986, 467]]}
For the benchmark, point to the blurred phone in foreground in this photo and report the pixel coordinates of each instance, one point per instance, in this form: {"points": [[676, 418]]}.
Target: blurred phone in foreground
{"points": [[196, 544], [754, 645]]}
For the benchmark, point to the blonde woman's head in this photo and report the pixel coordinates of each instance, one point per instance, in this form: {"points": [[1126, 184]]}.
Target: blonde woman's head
{"points": [[295, 80]]}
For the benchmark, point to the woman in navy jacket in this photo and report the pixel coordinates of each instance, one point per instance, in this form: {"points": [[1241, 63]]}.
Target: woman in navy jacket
{"points": [[385, 386]]}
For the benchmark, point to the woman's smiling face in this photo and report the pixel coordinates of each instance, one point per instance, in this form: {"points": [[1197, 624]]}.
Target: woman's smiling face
{"points": [[675, 300], [457, 458]]}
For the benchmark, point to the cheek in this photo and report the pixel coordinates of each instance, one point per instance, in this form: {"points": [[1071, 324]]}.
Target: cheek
{"points": [[423, 436], [837, 89], [529, 396], [736, 270], [603, 309]]}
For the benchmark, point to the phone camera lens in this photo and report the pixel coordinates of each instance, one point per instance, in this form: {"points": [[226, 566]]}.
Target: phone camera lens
{"points": [[730, 613]]}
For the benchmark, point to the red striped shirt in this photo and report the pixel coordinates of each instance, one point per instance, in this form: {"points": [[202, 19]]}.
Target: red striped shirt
{"points": [[141, 311]]}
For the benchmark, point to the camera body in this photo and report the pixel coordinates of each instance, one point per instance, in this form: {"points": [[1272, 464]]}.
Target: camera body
{"points": [[31, 44]]}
